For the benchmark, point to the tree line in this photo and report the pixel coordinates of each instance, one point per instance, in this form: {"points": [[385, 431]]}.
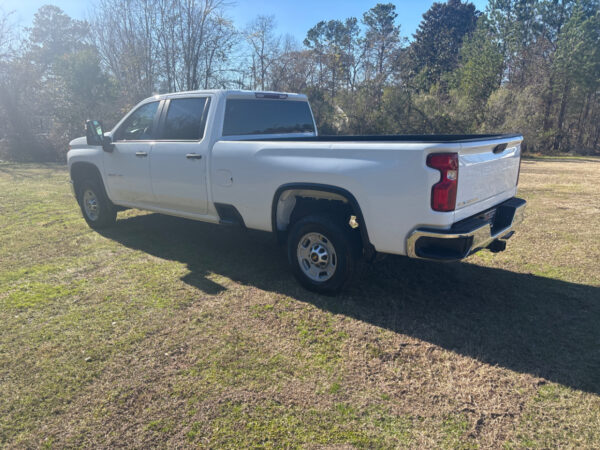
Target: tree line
{"points": [[531, 66]]}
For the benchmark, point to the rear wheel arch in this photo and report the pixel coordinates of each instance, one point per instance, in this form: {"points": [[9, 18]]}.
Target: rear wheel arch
{"points": [[284, 204]]}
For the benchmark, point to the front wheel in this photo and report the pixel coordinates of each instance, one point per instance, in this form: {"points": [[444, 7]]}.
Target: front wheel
{"points": [[97, 209], [320, 253]]}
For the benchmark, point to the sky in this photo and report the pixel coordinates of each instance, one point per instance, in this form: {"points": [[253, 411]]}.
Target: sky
{"points": [[292, 17]]}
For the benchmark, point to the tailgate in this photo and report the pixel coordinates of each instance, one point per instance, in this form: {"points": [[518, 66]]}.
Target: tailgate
{"points": [[487, 170]]}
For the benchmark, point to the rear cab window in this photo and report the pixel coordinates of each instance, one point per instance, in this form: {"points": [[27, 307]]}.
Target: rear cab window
{"points": [[261, 116]]}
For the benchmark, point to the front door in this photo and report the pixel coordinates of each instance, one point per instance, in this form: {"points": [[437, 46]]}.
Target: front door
{"points": [[178, 160], [127, 167]]}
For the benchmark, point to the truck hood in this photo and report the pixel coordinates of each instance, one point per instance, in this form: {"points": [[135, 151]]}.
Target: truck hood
{"points": [[79, 142]]}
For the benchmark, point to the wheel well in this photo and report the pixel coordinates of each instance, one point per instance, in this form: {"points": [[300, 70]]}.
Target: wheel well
{"points": [[84, 171], [305, 206], [81, 171], [292, 202]]}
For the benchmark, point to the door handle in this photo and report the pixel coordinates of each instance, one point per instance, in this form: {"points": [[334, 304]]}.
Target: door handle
{"points": [[193, 156], [141, 154]]}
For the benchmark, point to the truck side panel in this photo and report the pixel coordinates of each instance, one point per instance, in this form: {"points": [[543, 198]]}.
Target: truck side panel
{"points": [[391, 182]]}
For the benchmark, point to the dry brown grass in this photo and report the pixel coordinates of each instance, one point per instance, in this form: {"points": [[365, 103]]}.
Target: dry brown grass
{"points": [[165, 332]]}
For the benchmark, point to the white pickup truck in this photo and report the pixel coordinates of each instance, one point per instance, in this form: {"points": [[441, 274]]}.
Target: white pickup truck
{"points": [[254, 159]]}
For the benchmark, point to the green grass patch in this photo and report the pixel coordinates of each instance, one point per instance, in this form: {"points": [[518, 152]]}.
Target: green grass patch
{"points": [[36, 294], [170, 333]]}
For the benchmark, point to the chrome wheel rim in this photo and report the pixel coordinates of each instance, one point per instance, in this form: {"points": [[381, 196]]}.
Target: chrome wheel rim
{"points": [[317, 257], [90, 205]]}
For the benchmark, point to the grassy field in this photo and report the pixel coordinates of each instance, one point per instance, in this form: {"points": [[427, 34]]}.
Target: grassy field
{"points": [[165, 332]]}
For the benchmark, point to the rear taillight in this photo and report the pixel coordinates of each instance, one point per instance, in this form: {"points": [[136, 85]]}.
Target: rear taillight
{"points": [[443, 193]]}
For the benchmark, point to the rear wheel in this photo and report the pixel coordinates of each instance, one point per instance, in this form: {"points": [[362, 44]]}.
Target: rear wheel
{"points": [[96, 208], [321, 254]]}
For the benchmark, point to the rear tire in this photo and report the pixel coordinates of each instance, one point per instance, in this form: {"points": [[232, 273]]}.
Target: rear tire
{"points": [[321, 253], [97, 209]]}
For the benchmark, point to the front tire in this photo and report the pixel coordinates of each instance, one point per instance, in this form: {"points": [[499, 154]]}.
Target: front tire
{"points": [[95, 206], [321, 254]]}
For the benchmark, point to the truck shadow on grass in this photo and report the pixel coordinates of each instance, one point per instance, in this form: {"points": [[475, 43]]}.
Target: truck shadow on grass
{"points": [[526, 323]]}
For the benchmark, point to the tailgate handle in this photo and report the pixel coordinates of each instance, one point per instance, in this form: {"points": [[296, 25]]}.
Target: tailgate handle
{"points": [[499, 148]]}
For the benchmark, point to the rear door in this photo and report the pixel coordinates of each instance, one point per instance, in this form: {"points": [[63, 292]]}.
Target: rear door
{"points": [[179, 156], [127, 167], [488, 171]]}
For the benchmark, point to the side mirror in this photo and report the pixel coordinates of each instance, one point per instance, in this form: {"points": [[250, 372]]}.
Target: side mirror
{"points": [[94, 134]]}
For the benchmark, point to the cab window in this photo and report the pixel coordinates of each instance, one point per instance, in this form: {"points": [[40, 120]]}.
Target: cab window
{"points": [[185, 120], [253, 116], [138, 126]]}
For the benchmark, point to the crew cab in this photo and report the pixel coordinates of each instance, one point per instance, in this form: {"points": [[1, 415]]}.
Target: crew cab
{"points": [[254, 159]]}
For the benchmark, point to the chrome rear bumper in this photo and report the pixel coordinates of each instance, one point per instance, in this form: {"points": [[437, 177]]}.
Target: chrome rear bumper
{"points": [[467, 236]]}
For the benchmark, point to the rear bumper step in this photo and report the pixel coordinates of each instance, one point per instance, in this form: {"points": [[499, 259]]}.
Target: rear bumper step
{"points": [[488, 229]]}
